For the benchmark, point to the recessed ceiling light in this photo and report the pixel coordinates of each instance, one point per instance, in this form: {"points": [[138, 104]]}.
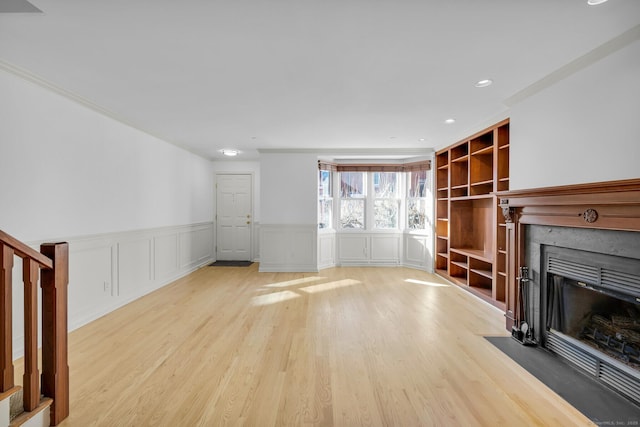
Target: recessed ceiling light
{"points": [[421, 140], [450, 121], [230, 153], [595, 2], [484, 83]]}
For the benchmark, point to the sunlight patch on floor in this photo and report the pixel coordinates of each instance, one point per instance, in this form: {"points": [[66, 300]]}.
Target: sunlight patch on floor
{"points": [[273, 298], [295, 282], [422, 282], [329, 285]]}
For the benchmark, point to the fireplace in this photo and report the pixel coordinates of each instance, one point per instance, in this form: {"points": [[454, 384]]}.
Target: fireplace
{"points": [[580, 298], [590, 313]]}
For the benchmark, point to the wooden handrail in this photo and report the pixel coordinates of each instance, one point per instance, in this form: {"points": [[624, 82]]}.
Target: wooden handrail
{"points": [[24, 251], [53, 260]]}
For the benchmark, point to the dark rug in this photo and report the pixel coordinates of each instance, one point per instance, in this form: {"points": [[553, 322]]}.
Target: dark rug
{"points": [[596, 401], [231, 264]]}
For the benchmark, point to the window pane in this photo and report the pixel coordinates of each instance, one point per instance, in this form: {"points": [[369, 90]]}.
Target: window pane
{"points": [[352, 213], [324, 213], [324, 188], [417, 184], [416, 211], [385, 184], [386, 213], [352, 184]]}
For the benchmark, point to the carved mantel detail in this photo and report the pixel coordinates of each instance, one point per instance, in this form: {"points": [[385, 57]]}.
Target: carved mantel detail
{"points": [[507, 211], [590, 215]]}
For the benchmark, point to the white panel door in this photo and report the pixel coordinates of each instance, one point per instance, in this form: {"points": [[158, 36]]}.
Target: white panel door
{"points": [[234, 217]]}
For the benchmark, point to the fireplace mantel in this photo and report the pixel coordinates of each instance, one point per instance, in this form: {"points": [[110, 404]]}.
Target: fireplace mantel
{"points": [[612, 205]]}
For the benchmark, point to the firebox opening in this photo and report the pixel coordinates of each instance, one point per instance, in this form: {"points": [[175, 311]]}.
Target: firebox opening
{"points": [[604, 320], [590, 314]]}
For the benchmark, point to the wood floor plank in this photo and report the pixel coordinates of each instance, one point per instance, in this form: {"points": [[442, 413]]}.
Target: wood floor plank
{"points": [[344, 347]]}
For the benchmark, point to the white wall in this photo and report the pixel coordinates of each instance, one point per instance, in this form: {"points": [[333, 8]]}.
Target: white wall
{"points": [[289, 184], [288, 197], [137, 211], [585, 128], [70, 171]]}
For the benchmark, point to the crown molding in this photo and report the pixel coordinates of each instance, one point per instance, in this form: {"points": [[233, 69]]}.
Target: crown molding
{"points": [[576, 65], [51, 87]]}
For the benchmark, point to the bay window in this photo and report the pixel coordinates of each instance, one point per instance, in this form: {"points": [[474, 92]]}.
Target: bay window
{"points": [[374, 197]]}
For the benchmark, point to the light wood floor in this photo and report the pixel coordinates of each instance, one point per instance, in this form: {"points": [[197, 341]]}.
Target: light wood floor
{"points": [[345, 347]]}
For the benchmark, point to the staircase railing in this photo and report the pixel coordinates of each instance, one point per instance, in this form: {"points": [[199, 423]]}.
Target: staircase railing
{"points": [[52, 263]]}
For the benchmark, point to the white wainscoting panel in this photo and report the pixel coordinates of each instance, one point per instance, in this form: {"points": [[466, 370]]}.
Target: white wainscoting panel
{"points": [[165, 253], [369, 249], [196, 246], [91, 280], [326, 249], [134, 265], [288, 248], [385, 249], [110, 270], [417, 252], [353, 248]]}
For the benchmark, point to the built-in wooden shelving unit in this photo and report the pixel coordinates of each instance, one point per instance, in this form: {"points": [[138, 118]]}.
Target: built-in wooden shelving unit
{"points": [[470, 229]]}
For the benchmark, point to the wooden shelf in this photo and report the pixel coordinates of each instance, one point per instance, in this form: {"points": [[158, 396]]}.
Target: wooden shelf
{"points": [[471, 241], [479, 197], [487, 182], [460, 159], [485, 273], [474, 253], [485, 150]]}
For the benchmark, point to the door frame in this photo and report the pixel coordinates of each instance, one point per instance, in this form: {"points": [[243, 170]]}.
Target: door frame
{"points": [[252, 252]]}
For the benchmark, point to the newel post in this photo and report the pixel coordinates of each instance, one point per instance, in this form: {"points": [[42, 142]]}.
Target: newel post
{"points": [[55, 368], [6, 318]]}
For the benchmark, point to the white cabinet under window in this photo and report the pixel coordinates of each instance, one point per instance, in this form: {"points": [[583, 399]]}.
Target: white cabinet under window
{"points": [[369, 248]]}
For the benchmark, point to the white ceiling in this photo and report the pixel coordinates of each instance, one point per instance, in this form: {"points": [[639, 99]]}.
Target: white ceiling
{"points": [[304, 74]]}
